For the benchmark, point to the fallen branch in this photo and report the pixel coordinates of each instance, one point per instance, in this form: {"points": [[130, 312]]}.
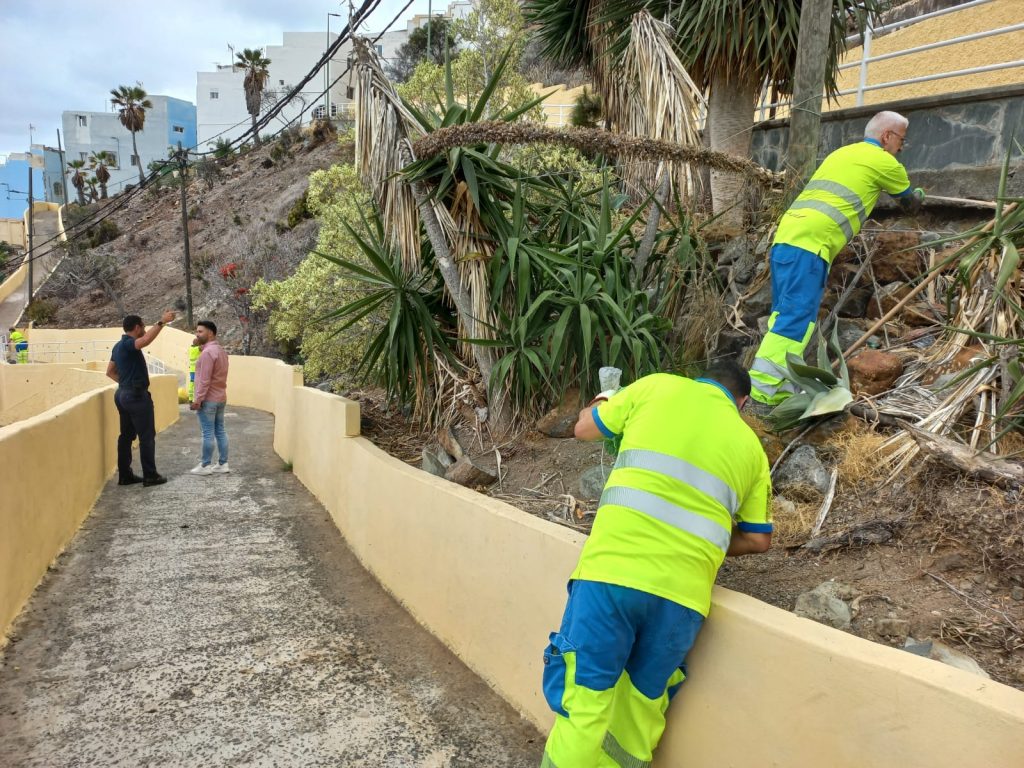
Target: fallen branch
{"points": [[1004, 474], [826, 505], [871, 532]]}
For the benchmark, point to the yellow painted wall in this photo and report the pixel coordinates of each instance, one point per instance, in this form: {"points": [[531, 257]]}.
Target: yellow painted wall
{"points": [[28, 390], [13, 231], [63, 458], [14, 281], [766, 688]]}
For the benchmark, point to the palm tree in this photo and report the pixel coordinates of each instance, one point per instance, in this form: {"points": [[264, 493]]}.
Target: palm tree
{"points": [[78, 178], [132, 104], [99, 162], [91, 182], [255, 66], [731, 49]]}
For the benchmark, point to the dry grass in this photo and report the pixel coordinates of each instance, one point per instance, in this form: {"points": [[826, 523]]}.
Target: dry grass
{"points": [[857, 451], [792, 522]]}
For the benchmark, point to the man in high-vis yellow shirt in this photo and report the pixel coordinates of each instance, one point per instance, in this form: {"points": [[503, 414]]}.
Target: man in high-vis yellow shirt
{"points": [[690, 486], [827, 214]]}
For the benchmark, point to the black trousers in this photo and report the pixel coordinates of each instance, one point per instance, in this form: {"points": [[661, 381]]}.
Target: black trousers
{"points": [[135, 407]]}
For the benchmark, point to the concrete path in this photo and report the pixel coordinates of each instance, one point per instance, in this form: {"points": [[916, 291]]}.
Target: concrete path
{"points": [[44, 229], [221, 620]]}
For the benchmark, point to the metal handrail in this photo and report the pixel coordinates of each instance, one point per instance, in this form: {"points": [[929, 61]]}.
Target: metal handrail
{"points": [[87, 351], [866, 58]]}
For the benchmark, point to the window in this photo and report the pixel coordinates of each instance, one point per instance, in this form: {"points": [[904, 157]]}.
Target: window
{"points": [[214, 95], [334, 109], [380, 49], [83, 156], [350, 93], [178, 128], [115, 161], [318, 112], [82, 121], [135, 160], [58, 190], [280, 82]]}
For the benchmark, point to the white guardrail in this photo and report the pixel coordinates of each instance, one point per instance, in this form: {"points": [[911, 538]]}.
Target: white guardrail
{"points": [[766, 109], [76, 352]]}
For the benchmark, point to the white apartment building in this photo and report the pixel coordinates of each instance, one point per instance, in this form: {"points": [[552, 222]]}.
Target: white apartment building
{"points": [[220, 95], [169, 121]]}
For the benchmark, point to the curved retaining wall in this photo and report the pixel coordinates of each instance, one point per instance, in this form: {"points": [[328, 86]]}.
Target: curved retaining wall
{"points": [[55, 466], [766, 688]]}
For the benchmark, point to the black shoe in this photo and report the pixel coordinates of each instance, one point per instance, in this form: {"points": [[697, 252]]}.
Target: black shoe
{"points": [[129, 479], [154, 480]]}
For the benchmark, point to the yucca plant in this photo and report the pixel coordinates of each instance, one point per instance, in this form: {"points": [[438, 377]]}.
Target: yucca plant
{"points": [[730, 48], [400, 354]]}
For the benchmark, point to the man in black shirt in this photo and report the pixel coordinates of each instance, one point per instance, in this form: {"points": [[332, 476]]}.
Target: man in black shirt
{"points": [[128, 368]]}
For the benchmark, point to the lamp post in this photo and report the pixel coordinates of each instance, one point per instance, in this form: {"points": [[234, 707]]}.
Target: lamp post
{"points": [[327, 72]]}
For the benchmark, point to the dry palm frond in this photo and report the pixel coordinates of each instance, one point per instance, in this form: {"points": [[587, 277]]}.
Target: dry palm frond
{"points": [[383, 128], [657, 98], [589, 140], [988, 316]]}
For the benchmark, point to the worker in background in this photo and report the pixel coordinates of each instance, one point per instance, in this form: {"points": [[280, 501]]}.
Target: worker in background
{"points": [[19, 346], [827, 214], [194, 352], [690, 486]]}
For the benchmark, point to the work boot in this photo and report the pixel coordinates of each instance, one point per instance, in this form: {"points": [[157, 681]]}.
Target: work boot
{"points": [[131, 479], [153, 480]]}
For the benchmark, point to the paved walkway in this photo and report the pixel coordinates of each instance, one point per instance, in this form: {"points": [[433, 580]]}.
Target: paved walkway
{"points": [[222, 621], [44, 230]]}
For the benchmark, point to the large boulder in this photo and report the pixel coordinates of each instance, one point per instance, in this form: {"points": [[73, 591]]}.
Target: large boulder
{"points": [[873, 372], [467, 472], [893, 261], [824, 605], [801, 472]]}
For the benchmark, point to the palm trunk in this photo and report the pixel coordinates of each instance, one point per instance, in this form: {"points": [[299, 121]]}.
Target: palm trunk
{"points": [[138, 159], [81, 195], [103, 191], [730, 124], [255, 133]]}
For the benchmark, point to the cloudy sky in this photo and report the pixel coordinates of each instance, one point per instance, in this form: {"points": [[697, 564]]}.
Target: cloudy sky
{"points": [[58, 55]]}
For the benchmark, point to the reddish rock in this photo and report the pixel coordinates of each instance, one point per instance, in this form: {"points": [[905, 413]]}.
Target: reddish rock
{"points": [[873, 372], [560, 421], [892, 261]]}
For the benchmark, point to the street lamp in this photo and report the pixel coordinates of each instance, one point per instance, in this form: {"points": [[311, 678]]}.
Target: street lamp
{"points": [[327, 83]]}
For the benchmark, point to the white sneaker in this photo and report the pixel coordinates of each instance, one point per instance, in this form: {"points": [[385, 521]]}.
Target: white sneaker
{"points": [[220, 469], [199, 469]]}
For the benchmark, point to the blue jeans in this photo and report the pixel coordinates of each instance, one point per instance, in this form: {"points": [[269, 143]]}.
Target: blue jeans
{"points": [[211, 422]]}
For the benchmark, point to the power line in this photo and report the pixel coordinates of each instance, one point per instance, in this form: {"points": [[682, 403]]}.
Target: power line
{"points": [[80, 228]]}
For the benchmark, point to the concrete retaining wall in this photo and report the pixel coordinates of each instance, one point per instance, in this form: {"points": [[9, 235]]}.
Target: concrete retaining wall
{"points": [[956, 144], [766, 688], [55, 466], [28, 390]]}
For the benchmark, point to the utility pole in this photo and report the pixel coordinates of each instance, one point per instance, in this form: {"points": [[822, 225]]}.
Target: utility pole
{"points": [[430, 20], [63, 171], [31, 255], [182, 157], [808, 88], [327, 71]]}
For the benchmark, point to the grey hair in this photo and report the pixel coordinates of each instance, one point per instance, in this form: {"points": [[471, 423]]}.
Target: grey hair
{"points": [[882, 122]]}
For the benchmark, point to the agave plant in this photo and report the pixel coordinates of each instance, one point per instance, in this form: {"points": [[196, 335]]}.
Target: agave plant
{"points": [[824, 393]]}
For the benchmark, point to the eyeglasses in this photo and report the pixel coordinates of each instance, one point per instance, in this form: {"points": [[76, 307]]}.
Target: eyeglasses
{"points": [[901, 136]]}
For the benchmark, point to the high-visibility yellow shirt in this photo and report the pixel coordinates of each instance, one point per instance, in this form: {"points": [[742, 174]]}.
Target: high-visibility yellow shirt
{"points": [[840, 195], [17, 337], [688, 469]]}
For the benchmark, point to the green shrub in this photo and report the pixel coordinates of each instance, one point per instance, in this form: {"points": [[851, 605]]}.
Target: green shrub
{"points": [[41, 311], [299, 211]]}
